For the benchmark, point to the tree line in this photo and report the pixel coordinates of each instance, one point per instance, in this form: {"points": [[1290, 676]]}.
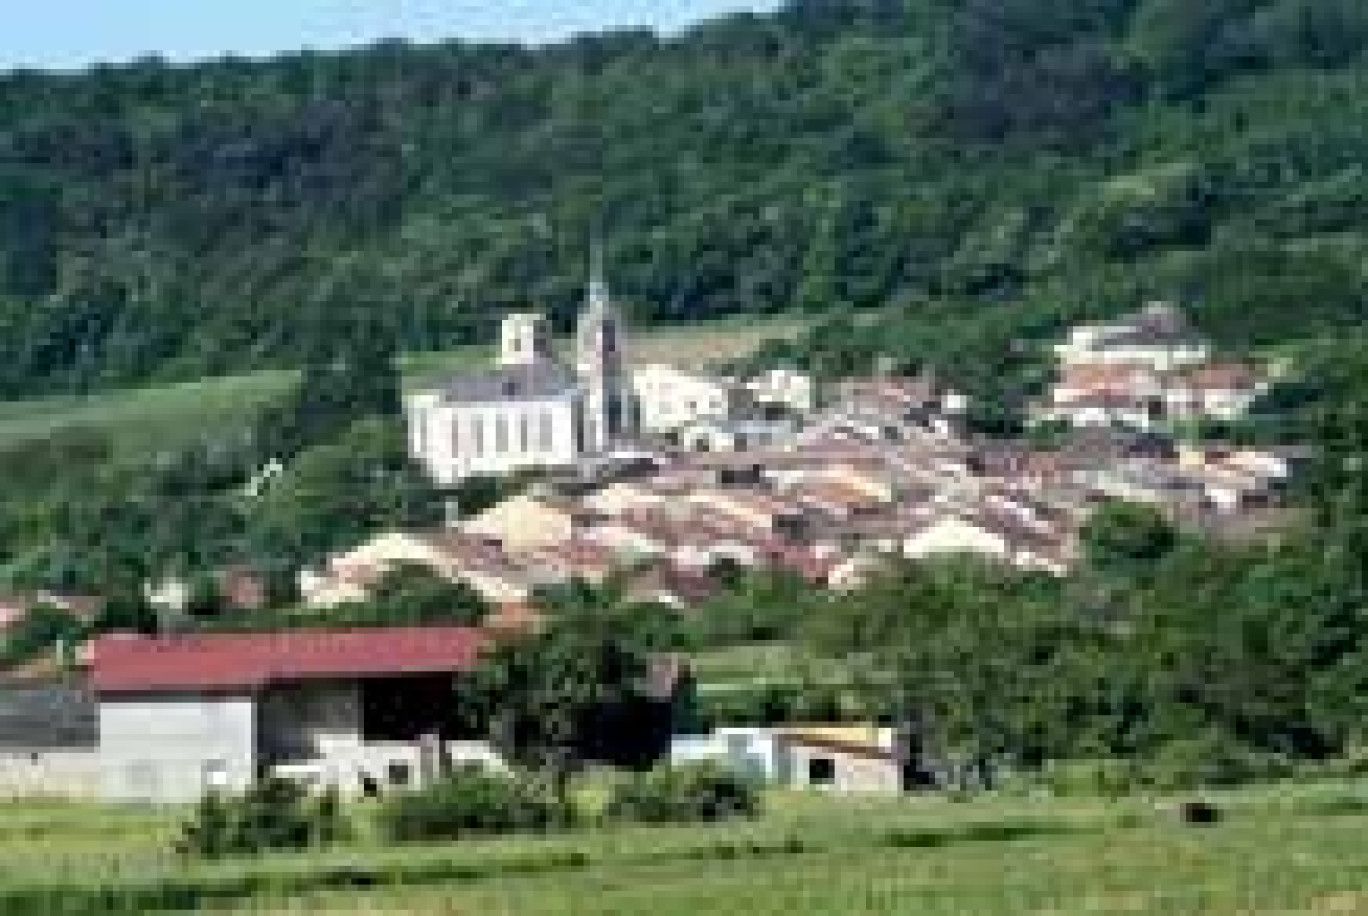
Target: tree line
{"points": [[1026, 160]]}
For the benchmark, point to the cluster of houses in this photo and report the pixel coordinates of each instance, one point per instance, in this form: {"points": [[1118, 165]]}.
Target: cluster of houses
{"points": [[657, 477], [1148, 371], [825, 484]]}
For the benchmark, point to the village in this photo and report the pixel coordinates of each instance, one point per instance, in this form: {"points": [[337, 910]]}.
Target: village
{"points": [[653, 477], [824, 481]]}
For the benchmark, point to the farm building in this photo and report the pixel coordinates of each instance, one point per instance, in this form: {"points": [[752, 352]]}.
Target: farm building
{"points": [[840, 760], [829, 758], [178, 716]]}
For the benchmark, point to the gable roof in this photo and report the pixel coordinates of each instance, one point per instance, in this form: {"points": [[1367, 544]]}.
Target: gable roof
{"points": [[224, 661], [528, 382], [845, 742]]}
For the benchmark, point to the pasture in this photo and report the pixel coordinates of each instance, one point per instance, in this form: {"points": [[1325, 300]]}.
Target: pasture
{"points": [[1278, 850]]}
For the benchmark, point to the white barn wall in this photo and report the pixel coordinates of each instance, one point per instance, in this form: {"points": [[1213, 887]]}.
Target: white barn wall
{"points": [[163, 747]]}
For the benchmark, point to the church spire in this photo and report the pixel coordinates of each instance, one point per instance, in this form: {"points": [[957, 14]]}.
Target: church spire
{"points": [[601, 365], [599, 297]]}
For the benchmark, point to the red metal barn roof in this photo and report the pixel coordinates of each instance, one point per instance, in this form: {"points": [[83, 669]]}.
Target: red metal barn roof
{"points": [[223, 661]]}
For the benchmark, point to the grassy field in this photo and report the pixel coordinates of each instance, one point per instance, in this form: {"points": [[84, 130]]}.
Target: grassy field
{"points": [[1296, 849], [173, 416]]}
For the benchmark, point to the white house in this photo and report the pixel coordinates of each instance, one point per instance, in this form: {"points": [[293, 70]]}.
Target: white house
{"points": [[854, 758], [1222, 392], [1156, 338], [785, 388], [668, 398]]}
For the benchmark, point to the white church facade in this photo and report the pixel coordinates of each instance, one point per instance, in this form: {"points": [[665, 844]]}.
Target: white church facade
{"points": [[530, 411]]}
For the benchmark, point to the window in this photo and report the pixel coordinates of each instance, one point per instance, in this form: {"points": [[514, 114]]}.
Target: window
{"points": [[215, 774], [399, 774], [143, 780], [821, 771], [477, 433], [547, 431], [456, 437], [524, 432], [500, 434]]}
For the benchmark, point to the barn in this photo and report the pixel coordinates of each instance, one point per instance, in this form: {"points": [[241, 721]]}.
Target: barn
{"points": [[355, 709]]}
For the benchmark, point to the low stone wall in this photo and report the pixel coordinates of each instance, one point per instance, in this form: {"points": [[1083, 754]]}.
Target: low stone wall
{"points": [[60, 774], [344, 767]]}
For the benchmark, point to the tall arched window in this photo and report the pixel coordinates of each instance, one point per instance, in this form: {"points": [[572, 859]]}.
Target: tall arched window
{"points": [[500, 433], [546, 432]]}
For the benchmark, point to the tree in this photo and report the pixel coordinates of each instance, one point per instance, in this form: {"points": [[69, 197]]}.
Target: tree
{"points": [[42, 628], [414, 595], [964, 656], [574, 690], [350, 374], [339, 492], [1122, 535]]}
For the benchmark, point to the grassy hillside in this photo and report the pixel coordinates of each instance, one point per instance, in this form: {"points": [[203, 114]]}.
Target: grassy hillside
{"points": [[1015, 160], [1280, 850]]}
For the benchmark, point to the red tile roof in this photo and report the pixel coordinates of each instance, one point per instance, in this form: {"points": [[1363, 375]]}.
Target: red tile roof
{"points": [[221, 661], [1222, 377]]}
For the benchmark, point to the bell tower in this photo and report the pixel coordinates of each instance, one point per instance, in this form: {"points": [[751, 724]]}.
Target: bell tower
{"points": [[601, 366], [526, 340]]}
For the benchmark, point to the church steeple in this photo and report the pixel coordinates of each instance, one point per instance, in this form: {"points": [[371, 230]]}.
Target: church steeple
{"points": [[600, 364], [599, 298]]}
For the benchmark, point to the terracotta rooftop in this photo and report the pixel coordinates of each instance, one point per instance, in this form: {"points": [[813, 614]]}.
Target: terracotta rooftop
{"points": [[227, 661], [1221, 377]]}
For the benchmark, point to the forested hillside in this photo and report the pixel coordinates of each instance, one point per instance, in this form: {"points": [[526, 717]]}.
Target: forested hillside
{"points": [[1000, 162]]}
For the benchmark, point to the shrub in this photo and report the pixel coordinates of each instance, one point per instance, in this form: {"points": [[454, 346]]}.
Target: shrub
{"points": [[680, 795], [271, 814], [1211, 760], [1106, 777], [473, 802]]}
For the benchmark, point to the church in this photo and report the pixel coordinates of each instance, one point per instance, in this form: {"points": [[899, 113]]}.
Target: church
{"points": [[531, 410]]}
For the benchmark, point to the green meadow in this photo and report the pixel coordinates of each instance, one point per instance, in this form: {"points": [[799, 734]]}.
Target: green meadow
{"points": [[1278, 850]]}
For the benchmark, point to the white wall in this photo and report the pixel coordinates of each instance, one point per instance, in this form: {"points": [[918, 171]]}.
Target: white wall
{"points": [[786, 387], [669, 398], [170, 748], [752, 751], [850, 772], [343, 769], [61, 774], [1084, 349], [453, 442]]}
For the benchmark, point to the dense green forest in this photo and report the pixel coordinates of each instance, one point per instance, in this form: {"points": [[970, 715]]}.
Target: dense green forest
{"points": [[989, 165]]}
